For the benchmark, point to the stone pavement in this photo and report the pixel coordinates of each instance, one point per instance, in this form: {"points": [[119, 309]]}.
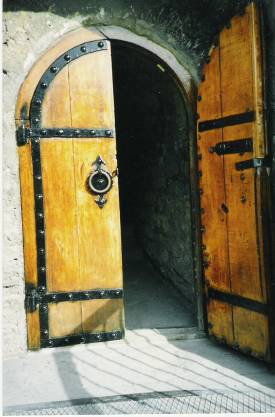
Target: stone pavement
{"points": [[147, 362]]}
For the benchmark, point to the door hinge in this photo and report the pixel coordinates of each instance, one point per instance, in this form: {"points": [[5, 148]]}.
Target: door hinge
{"points": [[32, 299], [22, 135], [233, 146], [253, 163]]}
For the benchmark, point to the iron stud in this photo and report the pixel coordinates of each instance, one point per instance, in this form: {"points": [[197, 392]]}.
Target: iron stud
{"points": [[87, 295], [42, 269], [117, 292], [44, 85], [38, 177], [61, 131], [83, 48], [113, 335], [36, 140], [41, 232], [50, 342], [70, 296], [54, 69], [108, 132], [98, 336], [100, 44], [93, 132], [66, 339], [36, 120], [39, 196], [67, 57], [44, 308], [45, 331], [83, 339], [41, 250], [38, 102], [102, 293], [77, 131], [42, 288], [44, 131], [53, 297]]}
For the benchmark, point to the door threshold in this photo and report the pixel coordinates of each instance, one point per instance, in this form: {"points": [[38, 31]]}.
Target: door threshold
{"points": [[164, 334]]}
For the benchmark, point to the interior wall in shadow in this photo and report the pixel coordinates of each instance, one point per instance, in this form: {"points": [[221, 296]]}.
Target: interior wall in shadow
{"points": [[153, 161]]}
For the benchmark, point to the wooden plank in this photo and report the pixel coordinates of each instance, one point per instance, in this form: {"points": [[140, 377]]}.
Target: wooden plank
{"points": [[241, 221], [65, 319], [235, 67], [220, 321], [251, 332], [27, 89], [102, 316], [29, 238]]}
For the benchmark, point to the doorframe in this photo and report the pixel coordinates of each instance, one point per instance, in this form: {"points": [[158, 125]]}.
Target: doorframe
{"points": [[188, 91]]}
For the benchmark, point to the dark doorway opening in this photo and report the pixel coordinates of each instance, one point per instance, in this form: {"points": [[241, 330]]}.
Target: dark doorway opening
{"points": [[154, 180]]}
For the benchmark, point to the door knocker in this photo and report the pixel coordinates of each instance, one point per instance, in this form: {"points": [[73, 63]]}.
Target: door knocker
{"points": [[100, 181]]}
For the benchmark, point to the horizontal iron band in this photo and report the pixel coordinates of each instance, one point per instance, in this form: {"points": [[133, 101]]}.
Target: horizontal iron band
{"points": [[82, 338], [253, 163], [235, 119], [57, 297], [238, 301], [233, 146], [69, 133]]}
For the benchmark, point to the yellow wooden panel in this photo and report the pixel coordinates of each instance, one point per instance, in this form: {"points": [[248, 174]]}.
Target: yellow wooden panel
{"points": [[56, 111], [241, 220], [64, 319], [28, 214], [33, 330], [220, 321], [91, 91], [251, 332], [235, 63], [102, 315], [60, 213], [100, 264]]}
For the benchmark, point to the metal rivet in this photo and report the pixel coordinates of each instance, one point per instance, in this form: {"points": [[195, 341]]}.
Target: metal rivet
{"points": [[83, 48], [93, 132], [50, 342], [77, 131], [38, 101], [42, 269], [39, 196], [117, 292], [42, 288], [83, 339], [38, 177], [44, 85], [113, 335], [61, 131], [98, 336], [44, 131], [45, 331], [199, 98], [54, 69], [41, 232], [67, 57], [108, 132], [53, 297], [36, 140], [66, 339], [70, 296], [42, 250], [44, 308], [100, 44], [87, 295], [36, 120], [102, 293]]}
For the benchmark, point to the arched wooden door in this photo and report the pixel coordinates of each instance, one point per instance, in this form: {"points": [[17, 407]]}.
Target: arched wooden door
{"points": [[69, 190], [234, 200]]}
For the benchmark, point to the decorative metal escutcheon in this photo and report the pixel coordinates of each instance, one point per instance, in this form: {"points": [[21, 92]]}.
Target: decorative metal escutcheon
{"points": [[100, 181]]}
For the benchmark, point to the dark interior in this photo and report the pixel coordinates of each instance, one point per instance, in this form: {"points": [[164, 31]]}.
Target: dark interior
{"points": [[154, 180]]}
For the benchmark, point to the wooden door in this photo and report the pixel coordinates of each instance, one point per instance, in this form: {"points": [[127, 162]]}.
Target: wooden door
{"points": [[233, 182], [70, 202]]}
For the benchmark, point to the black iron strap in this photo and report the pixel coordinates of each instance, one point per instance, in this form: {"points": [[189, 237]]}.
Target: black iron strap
{"points": [[233, 146], [82, 338], [235, 119], [238, 301], [253, 163]]}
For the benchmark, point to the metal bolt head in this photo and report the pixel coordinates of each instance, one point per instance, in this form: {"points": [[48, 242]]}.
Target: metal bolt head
{"points": [[36, 120], [53, 297], [41, 232], [45, 331], [113, 335], [67, 57], [50, 342], [36, 140], [41, 250], [87, 295], [54, 69], [44, 131], [44, 85], [108, 133], [66, 339], [83, 48], [93, 132], [42, 288], [98, 336], [83, 339], [61, 131], [118, 292], [44, 308], [102, 293], [39, 196], [70, 296], [38, 177], [38, 101], [100, 44], [42, 269], [77, 131]]}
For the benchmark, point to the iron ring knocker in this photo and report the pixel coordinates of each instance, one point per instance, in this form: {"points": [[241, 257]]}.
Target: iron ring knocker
{"points": [[100, 181]]}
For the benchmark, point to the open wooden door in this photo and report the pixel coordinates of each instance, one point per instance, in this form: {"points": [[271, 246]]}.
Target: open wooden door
{"points": [[234, 180], [69, 190]]}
